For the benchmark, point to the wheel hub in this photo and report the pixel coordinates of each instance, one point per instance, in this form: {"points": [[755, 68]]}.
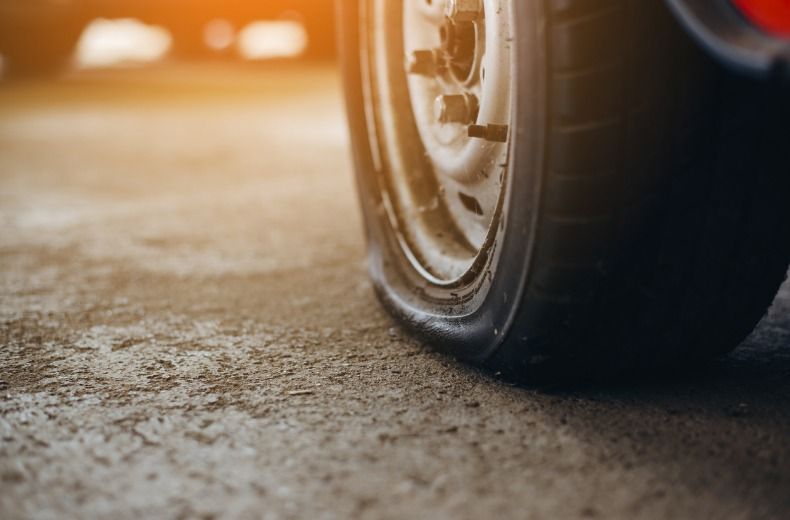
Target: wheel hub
{"points": [[442, 101], [458, 65], [459, 45]]}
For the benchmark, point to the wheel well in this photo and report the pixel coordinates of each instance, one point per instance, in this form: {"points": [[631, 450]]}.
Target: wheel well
{"points": [[732, 39]]}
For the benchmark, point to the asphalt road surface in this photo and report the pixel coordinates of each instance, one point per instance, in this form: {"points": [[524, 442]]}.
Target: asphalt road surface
{"points": [[187, 330]]}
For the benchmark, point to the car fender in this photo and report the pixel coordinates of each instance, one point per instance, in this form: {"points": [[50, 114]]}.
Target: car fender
{"points": [[740, 44]]}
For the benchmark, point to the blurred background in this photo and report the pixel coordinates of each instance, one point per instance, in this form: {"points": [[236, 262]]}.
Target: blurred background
{"points": [[46, 37]]}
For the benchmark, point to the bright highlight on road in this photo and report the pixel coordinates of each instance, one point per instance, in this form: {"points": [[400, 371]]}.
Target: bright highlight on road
{"points": [[106, 43], [219, 34], [265, 40], [112, 42]]}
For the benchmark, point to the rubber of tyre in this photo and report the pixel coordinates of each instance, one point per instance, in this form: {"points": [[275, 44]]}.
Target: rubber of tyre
{"points": [[646, 222]]}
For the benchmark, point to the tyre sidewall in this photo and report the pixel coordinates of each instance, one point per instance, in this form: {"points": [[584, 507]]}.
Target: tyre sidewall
{"points": [[472, 334]]}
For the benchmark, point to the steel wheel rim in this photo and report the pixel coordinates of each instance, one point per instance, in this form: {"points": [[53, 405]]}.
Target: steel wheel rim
{"points": [[442, 165]]}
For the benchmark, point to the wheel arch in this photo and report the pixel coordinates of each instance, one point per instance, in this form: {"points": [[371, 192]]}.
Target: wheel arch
{"points": [[727, 34]]}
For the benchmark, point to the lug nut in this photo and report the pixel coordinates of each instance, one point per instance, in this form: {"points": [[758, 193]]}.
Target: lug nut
{"points": [[423, 63], [459, 108], [463, 10], [458, 40], [491, 133]]}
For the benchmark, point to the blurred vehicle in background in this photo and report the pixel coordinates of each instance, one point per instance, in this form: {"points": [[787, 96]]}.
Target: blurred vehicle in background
{"points": [[39, 36]]}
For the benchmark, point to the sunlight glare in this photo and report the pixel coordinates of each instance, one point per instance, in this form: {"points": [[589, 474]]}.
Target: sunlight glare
{"points": [[111, 42], [265, 40]]}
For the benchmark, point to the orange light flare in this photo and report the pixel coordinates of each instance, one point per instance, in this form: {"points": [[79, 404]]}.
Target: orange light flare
{"points": [[99, 33]]}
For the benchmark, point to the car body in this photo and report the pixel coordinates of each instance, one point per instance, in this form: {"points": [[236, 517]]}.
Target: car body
{"points": [[749, 36]]}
